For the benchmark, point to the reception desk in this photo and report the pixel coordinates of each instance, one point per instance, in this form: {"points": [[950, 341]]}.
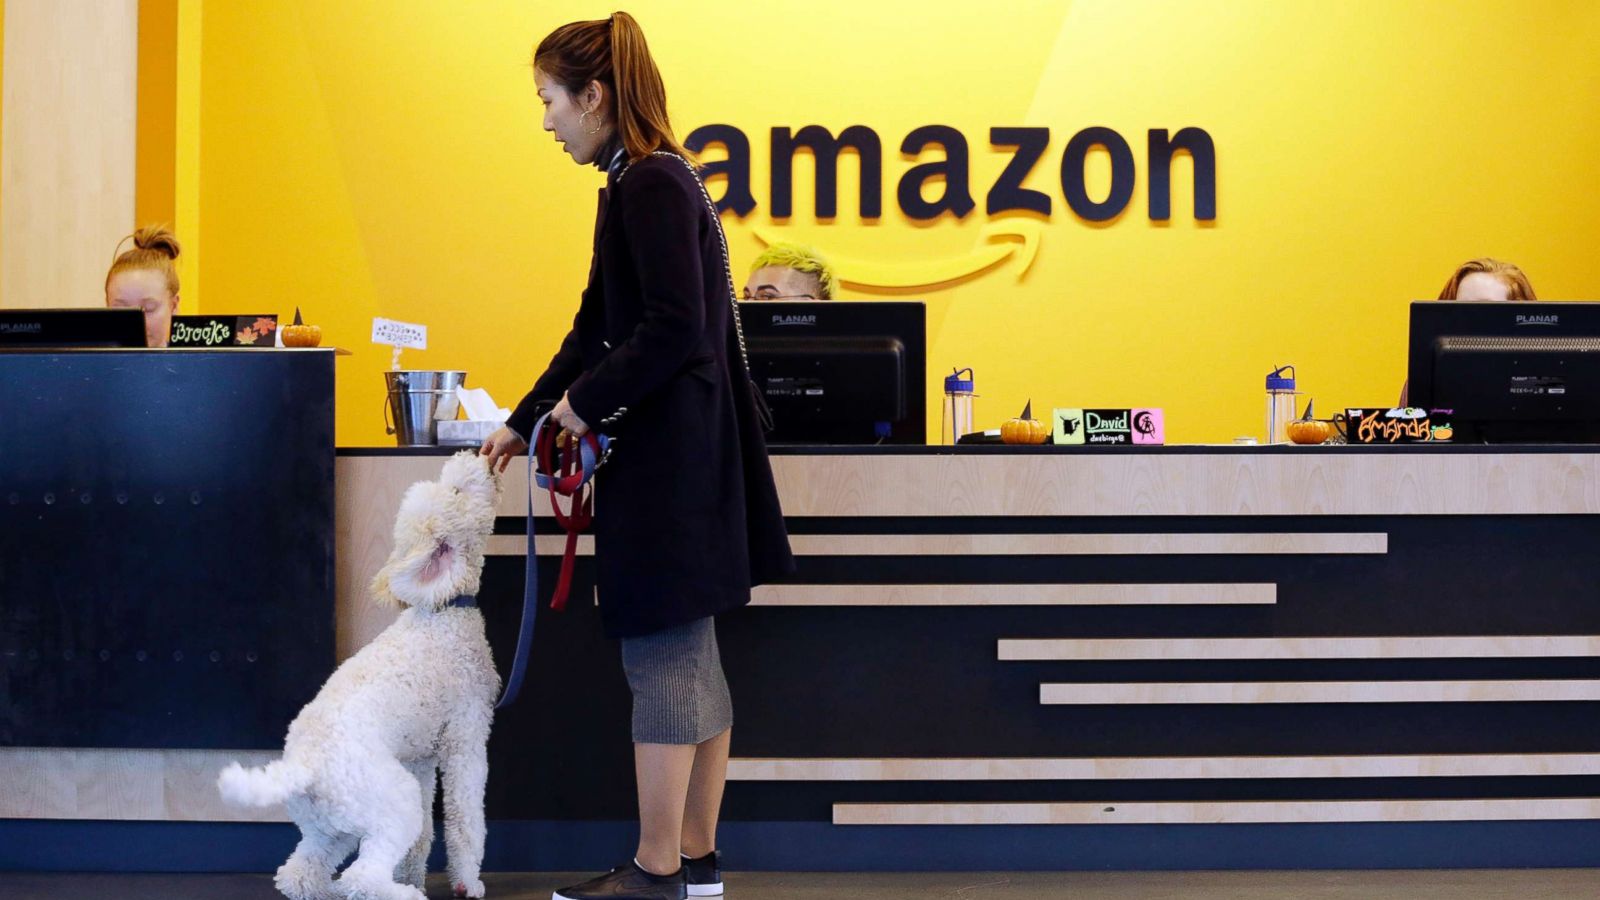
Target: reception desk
{"points": [[166, 548], [1184, 657]]}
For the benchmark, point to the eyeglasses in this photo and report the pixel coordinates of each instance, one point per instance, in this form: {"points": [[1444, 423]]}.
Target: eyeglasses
{"points": [[767, 294]]}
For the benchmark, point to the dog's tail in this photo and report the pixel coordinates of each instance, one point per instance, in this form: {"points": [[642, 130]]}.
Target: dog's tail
{"points": [[263, 786]]}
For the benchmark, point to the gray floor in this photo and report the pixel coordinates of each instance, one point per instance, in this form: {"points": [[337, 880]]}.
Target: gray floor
{"points": [[1530, 884]]}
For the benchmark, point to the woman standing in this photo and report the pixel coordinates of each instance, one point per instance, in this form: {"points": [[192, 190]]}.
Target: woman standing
{"points": [[687, 520]]}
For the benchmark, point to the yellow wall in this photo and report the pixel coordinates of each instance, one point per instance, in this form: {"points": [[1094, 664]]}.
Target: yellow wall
{"points": [[370, 158], [2, 65], [155, 157]]}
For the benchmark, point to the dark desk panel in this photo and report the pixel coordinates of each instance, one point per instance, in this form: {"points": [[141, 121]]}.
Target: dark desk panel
{"points": [[166, 545]]}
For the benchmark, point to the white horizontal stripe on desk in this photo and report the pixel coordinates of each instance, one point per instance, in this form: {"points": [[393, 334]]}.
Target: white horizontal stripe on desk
{"points": [[1473, 765], [1250, 692], [1265, 543], [1013, 594], [1230, 812], [549, 535], [125, 785], [1466, 647]]}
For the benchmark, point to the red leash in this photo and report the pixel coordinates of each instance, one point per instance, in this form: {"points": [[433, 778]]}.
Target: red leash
{"points": [[566, 472]]}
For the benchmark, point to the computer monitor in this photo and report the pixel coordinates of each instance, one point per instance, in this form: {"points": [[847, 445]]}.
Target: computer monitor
{"points": [[1509, 371], [840, 371], [68, 328]]}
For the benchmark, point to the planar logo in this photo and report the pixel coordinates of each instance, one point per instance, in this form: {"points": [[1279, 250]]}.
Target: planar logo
{"points": [[1538, 320], [1020, 208], [794, 320]]}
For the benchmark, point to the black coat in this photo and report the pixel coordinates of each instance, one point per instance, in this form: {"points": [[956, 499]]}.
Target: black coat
{"points": [[686, 513]]}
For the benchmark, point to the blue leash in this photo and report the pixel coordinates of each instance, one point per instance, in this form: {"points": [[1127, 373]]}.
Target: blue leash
{"points": [[590, 461]]}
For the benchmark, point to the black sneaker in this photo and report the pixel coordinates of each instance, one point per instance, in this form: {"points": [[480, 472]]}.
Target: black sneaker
{"points": [[627, 882], [704, 875]]}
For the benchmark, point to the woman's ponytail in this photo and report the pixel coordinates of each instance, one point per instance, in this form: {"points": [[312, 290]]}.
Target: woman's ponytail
{"points": [[613, 51]]}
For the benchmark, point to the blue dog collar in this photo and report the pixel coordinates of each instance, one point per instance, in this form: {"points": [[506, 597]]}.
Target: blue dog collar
{"points": [[465, 601]]}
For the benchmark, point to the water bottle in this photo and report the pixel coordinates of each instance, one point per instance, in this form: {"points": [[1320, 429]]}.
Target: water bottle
{"points": [[956, 420], [1280, 404]]}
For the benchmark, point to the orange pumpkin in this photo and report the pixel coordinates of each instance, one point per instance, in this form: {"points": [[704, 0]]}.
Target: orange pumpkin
{"points": [[1309, 431], [1024, 429], [300, 334]]}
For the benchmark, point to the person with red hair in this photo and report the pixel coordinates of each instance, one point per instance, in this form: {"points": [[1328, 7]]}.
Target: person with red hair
{"points": [[1482, 280], [1485, 279], [145, 277]]}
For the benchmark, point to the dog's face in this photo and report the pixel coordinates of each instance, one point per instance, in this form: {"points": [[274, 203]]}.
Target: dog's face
{"points": [[439, 536]]}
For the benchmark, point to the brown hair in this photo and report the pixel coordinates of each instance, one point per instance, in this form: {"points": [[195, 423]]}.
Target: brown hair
{"points": [[1517, 284], [613, 52], [154, 248]]}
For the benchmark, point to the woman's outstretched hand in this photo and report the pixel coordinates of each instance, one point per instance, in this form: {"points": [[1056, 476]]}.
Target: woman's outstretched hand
{"points": [[501, 446], [505, 443]]}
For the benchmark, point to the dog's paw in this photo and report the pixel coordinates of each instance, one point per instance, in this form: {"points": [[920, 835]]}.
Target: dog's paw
{"points": [[473, 888], [298, 882]]}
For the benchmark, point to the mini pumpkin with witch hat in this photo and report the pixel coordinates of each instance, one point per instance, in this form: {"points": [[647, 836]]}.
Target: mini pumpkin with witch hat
{"points": [[300, 334], [1309, 430], [1025, 429]]}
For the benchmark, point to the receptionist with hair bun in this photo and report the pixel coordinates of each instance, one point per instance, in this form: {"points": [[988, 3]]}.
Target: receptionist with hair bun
{"points": [[144, 277]]}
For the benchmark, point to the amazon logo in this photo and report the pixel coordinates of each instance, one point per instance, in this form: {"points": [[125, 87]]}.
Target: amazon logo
{"points": [[1027, 147]]}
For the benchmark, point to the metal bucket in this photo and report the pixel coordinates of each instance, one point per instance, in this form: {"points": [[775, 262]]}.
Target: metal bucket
{"points": [[417, 401]]}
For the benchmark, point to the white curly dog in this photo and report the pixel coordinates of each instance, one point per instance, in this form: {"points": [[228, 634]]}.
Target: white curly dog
{"points": [[358, 765]]}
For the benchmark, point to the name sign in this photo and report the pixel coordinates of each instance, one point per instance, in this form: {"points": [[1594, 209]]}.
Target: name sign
{"points": [[223, 331], [1106, 427], [1408, 425]]}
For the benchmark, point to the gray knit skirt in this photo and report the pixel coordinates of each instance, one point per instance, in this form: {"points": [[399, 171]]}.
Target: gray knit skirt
{"points": [[680, 695]]}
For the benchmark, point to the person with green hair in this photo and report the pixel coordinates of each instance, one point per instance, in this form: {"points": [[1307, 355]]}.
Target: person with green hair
{"points": [[786, 271]]}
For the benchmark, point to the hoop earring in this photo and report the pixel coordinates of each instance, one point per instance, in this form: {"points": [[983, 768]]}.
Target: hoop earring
{"points": [[586, 129]]}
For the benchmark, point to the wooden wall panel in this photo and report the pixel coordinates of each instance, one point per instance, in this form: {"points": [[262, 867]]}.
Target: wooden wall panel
{"points": [[67, 142]]}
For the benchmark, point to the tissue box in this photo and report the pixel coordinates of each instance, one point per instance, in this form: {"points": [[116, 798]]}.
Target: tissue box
{"points": [[466, 432]]}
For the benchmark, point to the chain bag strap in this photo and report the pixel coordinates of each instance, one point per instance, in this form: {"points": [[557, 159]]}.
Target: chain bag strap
{"points": [[763, 412]]}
